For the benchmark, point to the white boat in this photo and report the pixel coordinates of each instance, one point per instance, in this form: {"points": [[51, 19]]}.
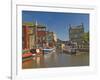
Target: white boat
{"points": [[48, 50], [70, 49]]}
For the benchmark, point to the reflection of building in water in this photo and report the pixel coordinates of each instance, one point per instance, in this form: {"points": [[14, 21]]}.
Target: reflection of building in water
{"points": [[76, 34]]}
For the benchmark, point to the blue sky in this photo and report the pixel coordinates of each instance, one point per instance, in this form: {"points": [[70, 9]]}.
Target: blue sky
{"points": [[57, 22]]}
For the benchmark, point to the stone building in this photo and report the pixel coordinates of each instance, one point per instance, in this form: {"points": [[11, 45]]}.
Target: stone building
{"points": [[76, 34]]}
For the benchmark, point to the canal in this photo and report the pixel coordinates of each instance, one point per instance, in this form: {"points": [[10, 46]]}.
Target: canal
{"points": [[57, 59]]}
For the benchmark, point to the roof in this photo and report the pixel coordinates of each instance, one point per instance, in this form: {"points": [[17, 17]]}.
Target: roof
{"points": [[28, 23], [76, 27]]}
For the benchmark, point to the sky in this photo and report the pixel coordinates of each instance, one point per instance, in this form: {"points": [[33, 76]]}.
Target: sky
{"points": [[56, 21]]}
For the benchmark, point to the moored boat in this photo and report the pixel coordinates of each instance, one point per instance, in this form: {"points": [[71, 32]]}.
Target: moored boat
{"points": [[48, 50]]}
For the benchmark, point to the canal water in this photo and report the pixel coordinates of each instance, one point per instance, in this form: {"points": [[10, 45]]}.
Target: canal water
{"points": [[57, 59]]}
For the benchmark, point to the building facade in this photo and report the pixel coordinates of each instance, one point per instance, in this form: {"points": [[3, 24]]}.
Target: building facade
{"points": [[76, 34], [41, 35], [25, 37], [28, 36], [51, 39]]}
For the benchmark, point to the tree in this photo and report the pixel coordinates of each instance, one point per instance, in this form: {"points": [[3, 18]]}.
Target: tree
{"points": [[85, 37]]}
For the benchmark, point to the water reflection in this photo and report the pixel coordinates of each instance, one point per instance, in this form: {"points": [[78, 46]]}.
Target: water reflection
{"points": [[57, 60]]}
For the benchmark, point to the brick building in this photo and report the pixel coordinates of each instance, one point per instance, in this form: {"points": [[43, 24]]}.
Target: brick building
{"points": [[28, 36]]}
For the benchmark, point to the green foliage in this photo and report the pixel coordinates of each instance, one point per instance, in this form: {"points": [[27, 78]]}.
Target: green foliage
{"points": [[85, 37]]}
